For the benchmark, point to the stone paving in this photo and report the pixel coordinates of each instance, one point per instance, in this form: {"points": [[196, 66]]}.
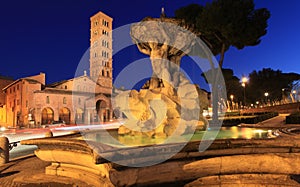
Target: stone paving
{"points": [[30, 172]]}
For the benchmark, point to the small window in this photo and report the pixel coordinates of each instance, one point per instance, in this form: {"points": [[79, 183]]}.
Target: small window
{"points": [[79, 101], [26, 103], [48, 100], [18, 102], [64, 100], [66, 87], [17, 87]]}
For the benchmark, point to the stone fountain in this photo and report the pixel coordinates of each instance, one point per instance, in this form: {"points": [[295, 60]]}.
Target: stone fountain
{"points": [[168, 104]]}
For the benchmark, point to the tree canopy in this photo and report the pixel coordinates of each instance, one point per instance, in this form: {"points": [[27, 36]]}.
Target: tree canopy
{"points": [[271, 81], [224, 23]]}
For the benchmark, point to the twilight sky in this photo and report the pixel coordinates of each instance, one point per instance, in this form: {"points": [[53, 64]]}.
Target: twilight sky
{"points": [[51, 36]]}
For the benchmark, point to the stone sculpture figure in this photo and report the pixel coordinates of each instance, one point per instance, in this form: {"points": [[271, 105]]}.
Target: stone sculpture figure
{"points": [[169, 104]]}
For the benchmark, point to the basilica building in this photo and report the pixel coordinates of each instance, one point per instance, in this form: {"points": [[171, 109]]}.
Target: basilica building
{"points": [[86, 99]]}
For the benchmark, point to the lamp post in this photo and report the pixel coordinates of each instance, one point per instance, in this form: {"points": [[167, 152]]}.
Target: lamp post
{"points": [[294, 95], [282, 102], [231, 97], [244, 81], [266, 95]]}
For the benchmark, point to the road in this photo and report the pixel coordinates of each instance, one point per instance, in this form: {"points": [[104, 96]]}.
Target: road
{"points": [[16, 135]]}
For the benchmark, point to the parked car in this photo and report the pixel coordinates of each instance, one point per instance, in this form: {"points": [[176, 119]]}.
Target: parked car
{"points": [[59, 123]]}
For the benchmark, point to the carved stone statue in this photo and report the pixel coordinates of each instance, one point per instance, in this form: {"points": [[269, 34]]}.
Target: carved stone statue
{"points": [[169, 104]]}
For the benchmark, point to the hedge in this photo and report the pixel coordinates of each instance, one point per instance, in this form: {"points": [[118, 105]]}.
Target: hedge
{"points": [[293, 118]]}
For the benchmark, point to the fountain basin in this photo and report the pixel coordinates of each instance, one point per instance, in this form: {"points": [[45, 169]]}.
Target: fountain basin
{"points": [[72, 156]]}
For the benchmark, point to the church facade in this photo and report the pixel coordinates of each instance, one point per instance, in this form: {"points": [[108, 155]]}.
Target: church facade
{"points": [[82, 100]]}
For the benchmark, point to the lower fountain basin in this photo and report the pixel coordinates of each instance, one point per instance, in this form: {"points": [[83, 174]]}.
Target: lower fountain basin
{"points": [[91, 161]]}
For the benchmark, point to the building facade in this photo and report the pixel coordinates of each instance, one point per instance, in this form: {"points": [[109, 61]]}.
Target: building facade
{"points": [[20, 97], [84, 99], [4, 81]]}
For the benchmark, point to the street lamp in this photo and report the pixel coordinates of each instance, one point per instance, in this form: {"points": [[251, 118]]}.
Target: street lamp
{"points": [[244, 81], [294, 95], [282, 102], [266, 95], [231, 97]]}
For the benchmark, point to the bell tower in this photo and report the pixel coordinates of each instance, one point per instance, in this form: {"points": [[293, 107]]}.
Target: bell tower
{"points": [[101, 49]]}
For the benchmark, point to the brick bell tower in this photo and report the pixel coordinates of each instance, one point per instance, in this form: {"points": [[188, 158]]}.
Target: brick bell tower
{"points": [[101, 49]]}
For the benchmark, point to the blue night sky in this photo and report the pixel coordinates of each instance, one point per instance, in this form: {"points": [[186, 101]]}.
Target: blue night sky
{"points": [[51, 36]]}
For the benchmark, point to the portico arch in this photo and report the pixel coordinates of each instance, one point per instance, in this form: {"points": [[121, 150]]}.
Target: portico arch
{"points": [[65, 115], [47, 115], [102, 111], [98, 109]]}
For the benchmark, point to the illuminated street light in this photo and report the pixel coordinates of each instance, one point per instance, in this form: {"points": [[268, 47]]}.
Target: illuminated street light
{"points": [[244, 81], [294, 95], [266, 95], [231, 97]]}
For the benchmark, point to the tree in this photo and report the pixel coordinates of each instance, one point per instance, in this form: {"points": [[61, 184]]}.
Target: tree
{"points": [[225, 23], [232, 83], [271, 81]]}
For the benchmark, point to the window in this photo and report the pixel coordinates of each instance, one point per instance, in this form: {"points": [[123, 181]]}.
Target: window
{"points": [[96, 23], [107, 74], [26, 103], [79, 101], [66, 87], [17, 87], [95, 32], [18, 102], [64, 100], [102, 72], [95, 44], [48, 100]]}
